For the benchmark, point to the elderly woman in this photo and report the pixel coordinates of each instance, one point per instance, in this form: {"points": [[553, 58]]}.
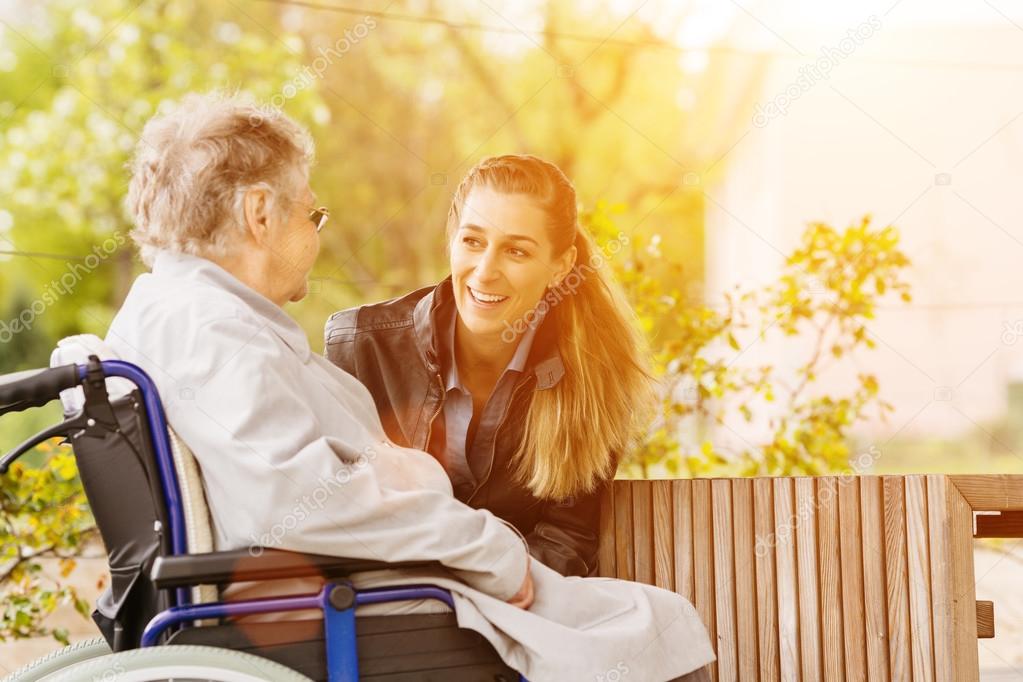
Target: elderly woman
{"points": [[292, 451]]}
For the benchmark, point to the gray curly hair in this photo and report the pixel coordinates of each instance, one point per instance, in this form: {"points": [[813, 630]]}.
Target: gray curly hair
{"points": [[194, 163]]}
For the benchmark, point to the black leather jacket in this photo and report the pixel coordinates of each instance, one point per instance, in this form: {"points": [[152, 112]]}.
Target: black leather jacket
{"points": [[393, 348]]}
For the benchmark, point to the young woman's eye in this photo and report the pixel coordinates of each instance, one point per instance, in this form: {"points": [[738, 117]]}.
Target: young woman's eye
{"points": [[471, 241], [518, 253]]}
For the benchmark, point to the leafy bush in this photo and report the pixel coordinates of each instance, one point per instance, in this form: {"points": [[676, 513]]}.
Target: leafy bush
{"points": [[828, 292]]}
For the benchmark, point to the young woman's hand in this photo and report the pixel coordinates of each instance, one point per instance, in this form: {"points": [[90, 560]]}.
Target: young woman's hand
{"points": [[524, 597]]}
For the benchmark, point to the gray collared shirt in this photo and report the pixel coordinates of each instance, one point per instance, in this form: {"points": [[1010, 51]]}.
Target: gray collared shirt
{"points": [[461, 455]]}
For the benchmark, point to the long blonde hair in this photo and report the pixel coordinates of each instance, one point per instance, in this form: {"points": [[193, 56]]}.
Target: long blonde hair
{"points": [[576, 430]]}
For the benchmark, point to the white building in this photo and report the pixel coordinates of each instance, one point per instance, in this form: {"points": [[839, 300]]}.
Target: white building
{"points": [[921, 125]]}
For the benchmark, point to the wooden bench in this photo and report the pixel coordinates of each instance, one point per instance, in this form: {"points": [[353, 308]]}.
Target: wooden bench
{"points": [[827, 578]]}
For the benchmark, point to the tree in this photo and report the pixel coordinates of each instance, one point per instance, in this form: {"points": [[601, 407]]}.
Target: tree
{"points": [[105, 69]]}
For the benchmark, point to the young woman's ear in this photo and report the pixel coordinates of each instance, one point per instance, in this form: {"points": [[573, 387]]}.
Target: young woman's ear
{"points": [[563, 265], [256, 205]]}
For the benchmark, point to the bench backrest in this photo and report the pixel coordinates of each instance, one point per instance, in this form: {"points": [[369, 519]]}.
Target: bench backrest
{"points": [[828, 578]]}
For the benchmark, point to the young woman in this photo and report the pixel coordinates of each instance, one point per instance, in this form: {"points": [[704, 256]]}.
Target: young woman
{"points": [[522, 372]]}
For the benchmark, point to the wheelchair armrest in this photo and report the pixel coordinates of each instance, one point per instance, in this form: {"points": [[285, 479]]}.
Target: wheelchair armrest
{"points": [[240, 565]]}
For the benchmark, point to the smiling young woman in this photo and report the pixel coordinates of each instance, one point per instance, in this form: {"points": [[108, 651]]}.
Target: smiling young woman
{"points": [[523, 372]]}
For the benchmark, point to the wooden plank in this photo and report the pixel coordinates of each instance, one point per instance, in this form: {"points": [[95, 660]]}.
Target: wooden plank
{"points": [[724, 579], [606, 542], [963, 588], [853, 625], [875, 597], [1006, 524], [918, 553], [991, 492], [767, 602], [897, 578], [663, 536], [985, 619], [682, 521], [788, 585], [703, 559], [830, 575], [643, 531], [624, 568], [938, 518], [806, 560], [745, 579]]}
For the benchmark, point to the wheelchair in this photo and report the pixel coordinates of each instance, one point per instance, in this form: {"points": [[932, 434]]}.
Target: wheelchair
{"points": [[162, 617]]}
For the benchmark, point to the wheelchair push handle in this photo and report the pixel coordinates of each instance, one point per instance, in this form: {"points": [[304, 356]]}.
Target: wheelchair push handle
{"points": [[35, 387]]}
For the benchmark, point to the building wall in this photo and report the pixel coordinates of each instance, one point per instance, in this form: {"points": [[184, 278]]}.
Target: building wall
{"points": [[921, 127]]}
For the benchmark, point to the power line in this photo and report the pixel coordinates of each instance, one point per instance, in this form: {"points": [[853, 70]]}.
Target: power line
{"points": [[41, 254], [636, 44]]}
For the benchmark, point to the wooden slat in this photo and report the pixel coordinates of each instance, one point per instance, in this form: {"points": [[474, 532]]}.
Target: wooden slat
{"points": [[918, 553], [724, 579], [682, 513], [788, 586], [623, 531], [1007, 524], [963, 588], [991, 492], [853, 626], [897, 578], [830, 574], [985, 619], [703, 559], [875, 598], [663, 537], [745, 579], [643, 531], [941, 576], [606, 546], [806, 560], [766, 595]]}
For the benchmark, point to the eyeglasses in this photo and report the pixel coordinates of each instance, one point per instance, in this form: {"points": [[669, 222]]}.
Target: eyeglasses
{"points": [[318, 217]]}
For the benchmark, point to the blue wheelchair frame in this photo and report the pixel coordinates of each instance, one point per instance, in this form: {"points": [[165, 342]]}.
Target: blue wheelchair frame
{"points": [[337, 600]]}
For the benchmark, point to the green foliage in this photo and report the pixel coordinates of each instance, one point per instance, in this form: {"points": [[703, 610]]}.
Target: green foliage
{"points": [[43, 513], [827, 292], [102, 71]]}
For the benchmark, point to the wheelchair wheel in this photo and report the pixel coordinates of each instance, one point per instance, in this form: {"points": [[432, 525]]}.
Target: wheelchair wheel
{"points": [[58, 660], [186, 662]]}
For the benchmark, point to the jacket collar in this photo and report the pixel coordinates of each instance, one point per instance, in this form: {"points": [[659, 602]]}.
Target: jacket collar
{"points": [[450, 362], [433, 313], [194, 268]]}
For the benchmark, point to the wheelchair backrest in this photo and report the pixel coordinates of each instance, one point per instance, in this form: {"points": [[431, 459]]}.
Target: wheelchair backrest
{"points": [[122, 484], [134, 526]]}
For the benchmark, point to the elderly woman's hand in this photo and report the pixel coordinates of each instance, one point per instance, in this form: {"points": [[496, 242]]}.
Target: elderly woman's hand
{"points": [[524, 597]]}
